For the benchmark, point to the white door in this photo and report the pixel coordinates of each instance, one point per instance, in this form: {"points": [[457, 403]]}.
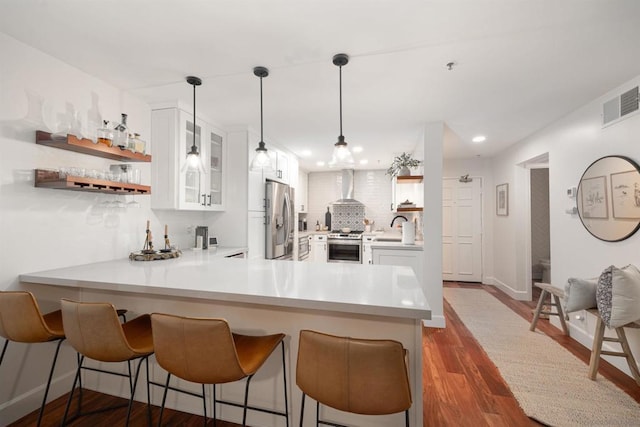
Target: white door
{"points": [[462, 230]]}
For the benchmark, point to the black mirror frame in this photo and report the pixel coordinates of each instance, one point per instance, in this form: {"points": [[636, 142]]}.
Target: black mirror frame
{"points": [[632, 232]]}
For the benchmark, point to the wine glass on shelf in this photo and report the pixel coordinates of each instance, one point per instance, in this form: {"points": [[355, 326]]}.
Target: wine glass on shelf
{"points": [[133, 203]]}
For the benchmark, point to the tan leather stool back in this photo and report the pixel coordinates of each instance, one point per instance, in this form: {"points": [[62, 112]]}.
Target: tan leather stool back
{"points": [[353, 375], [197, 350], [22, 321], [94, 330]]}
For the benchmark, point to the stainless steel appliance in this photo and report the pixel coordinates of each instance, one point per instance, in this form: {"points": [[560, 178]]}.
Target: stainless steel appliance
{"points": [[203, 232], [344, 247], [303, 248], [279, 200]]}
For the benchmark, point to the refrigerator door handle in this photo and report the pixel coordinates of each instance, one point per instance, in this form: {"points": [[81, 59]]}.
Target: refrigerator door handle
{"points": [[287, 218]]}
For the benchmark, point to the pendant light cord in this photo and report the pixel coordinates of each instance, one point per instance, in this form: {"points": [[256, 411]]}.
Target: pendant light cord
{"points": [[194, 117], [261, 120], [340, 100]]}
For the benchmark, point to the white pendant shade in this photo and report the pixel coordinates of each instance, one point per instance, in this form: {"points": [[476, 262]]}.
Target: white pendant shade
{"points": [[341, 156], [193, 163], [261, 161]]}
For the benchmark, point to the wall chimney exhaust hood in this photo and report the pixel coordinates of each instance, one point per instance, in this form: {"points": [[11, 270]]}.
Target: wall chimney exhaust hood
{"points": [[347, 190]]}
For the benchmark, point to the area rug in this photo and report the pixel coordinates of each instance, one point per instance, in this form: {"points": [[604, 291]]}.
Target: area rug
{"points": [[549, 382]]}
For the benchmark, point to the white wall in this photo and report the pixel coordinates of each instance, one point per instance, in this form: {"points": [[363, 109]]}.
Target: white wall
{"points": [[573, 143], [432, 227], [43, 228]]}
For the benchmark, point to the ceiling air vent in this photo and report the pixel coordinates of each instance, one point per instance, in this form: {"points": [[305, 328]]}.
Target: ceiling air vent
{"points": [[620, 106]]}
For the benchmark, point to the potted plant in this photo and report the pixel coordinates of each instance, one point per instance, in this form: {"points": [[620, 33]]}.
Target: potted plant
{"points": [[401, 165]]}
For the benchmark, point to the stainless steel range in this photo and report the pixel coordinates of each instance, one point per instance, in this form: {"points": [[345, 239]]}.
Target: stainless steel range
{"points": [[344, 247]]}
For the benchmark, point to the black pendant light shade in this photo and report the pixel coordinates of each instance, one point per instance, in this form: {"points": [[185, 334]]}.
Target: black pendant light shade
{"points": [[193, 156], [341, 154], [261, 159]]}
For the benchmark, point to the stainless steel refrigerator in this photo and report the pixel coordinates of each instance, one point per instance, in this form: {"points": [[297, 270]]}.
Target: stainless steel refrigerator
{"points": [[279, 199]]}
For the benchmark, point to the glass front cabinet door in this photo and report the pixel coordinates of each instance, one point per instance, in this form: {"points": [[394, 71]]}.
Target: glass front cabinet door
{"points": [[182, 186]]}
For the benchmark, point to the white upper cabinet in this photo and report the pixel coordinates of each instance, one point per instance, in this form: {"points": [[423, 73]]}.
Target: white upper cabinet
{"points": [[280, 163], [172, 135]]}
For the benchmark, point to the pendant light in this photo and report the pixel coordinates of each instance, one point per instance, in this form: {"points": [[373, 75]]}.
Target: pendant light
{"points": [[341, 154], [261, 160], [193, 162]]}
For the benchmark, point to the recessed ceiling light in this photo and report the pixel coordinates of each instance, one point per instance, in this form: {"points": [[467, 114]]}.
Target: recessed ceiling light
{"points": [[305, 153], [364, 161], [479, 138], [357, 149], [320, 163]]}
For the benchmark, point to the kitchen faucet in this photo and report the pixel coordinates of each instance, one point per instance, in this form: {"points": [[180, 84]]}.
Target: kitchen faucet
{"points": [[396, 217]]}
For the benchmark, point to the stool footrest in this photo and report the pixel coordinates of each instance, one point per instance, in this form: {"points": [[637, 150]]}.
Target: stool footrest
{"points": [[613, 353]]}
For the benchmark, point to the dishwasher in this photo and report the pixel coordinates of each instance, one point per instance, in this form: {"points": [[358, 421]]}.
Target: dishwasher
{"points": [[303, 248]]}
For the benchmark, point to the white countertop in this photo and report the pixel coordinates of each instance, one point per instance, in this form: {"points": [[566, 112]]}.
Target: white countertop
{"points": [[366, 289]]}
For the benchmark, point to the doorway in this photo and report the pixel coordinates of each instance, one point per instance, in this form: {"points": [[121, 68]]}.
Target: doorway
{"points": [[529, 258], [462, 229], [540, 233]]}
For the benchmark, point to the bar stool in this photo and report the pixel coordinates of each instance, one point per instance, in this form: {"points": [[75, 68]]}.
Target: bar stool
{"points": [[22, 321], [360, 376], [94, 331], [598, 339], [556, 294], [209, 353]]}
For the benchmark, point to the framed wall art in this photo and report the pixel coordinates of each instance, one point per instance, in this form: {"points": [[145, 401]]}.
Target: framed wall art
{"points": [[502, 199], [593, 197], [625, 194]]}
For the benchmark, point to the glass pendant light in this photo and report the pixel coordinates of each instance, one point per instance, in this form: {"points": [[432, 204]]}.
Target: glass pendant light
{"points": [[261, 160], [341, 155], [193, 162]]}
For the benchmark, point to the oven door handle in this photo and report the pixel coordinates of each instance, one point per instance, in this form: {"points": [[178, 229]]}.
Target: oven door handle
{"points": [[351, 242]]}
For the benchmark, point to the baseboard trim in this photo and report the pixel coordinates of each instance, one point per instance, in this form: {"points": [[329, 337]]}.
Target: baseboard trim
{"points": [[16, 408], [513, 293], [435, 322]]}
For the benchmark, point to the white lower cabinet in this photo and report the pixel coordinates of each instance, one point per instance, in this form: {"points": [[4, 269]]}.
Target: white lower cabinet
{"points": [[367, 255], [406, 257], [318, 248]]}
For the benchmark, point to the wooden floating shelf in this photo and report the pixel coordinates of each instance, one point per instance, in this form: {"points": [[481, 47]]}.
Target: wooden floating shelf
{"points": [[87, 146], [409, 210], [409, 179], [52, 179]]}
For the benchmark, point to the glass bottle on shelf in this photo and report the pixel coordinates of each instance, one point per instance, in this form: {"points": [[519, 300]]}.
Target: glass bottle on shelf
{"points": [[121, 135], [136, 144], [105, 134]]}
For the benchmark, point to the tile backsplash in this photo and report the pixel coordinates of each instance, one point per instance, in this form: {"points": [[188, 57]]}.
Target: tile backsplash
{"points": [[372, 188], [348, 216]]}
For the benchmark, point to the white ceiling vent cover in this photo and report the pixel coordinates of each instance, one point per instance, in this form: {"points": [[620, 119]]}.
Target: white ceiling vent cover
{"points": [[619, 107]]}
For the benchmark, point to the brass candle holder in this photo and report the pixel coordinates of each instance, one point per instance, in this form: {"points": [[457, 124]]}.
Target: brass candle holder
{"points": [[149, 254]]}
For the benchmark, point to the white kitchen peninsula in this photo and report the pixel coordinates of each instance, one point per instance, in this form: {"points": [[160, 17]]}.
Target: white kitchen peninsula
{"points": [[259, 297]]}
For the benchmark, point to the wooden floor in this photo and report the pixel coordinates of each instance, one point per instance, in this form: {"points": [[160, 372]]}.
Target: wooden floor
{"points": [[461, 385]]}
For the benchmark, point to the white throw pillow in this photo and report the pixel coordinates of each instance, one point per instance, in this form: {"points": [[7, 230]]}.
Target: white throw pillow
{"points": [[618, 295], [580, 294]]}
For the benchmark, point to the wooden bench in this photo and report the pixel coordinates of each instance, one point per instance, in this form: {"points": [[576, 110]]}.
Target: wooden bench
{"points": [[556, 294], [597, 351]]}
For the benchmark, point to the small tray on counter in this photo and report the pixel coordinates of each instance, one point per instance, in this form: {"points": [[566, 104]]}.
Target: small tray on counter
{"points": [[154, 255]]}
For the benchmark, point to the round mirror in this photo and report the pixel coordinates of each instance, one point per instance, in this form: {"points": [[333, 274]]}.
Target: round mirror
{"points": [[608, 198]]}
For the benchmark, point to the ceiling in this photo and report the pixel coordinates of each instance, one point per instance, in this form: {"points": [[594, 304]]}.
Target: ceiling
{"points": [[518, 65]]}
